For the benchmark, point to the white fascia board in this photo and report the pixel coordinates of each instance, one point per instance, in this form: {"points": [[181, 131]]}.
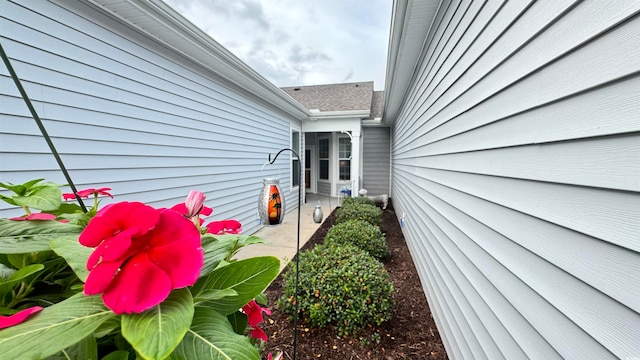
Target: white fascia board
{"points": [[159, 21], [332, 125], [362, 114]]}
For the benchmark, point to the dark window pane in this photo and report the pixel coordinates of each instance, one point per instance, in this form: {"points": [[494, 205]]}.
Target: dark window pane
{"points": [[324, 169], [345, 170]]}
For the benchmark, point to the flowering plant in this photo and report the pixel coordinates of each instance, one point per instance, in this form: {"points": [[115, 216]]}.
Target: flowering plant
{"points": [[126, 281]]}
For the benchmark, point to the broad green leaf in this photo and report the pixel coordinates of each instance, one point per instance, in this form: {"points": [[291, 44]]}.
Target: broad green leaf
{"points": [[43, 197], [155, 333], [107, 327], [54, 328], [212, 337], [247, 277], [19, 237], [217, 248], [85, 349], [117, 355], [74, 253]]}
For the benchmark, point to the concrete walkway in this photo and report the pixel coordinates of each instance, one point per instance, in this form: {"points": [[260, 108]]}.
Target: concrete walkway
{"points": [[282, 238]]}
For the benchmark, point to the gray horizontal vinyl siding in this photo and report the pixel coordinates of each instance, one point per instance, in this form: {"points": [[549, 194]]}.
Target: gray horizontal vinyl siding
{"points": [[128, 113], [516, 164], [376, 160]]}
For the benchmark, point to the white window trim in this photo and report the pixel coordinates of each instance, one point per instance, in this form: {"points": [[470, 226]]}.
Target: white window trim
{"points": [[297, 129], [339, 158]]}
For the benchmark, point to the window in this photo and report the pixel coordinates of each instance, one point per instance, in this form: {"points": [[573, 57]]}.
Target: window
{"points": [[323, 155], [344, 158], [295, 161]]}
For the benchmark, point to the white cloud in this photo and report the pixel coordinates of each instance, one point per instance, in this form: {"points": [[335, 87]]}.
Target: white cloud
{"points": [[293, 42]]}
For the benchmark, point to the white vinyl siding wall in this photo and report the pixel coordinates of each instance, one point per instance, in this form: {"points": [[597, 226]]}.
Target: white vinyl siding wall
{"points": [[128, 113], [516, 161], [376, 160]]}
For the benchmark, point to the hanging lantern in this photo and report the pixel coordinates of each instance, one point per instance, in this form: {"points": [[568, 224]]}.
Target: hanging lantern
{"points": [[317, 213], [270, 202]]}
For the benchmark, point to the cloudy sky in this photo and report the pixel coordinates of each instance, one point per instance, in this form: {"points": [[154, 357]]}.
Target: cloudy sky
{"points": [[300, 42]]}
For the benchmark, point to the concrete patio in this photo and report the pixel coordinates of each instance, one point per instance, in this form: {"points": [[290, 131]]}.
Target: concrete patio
{"points": [[282, 238]]}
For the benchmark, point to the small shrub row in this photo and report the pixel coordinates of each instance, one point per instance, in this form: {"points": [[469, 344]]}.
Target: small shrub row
{"points": [[339, 284], [358, 211], [357, 200], [361, 234]]}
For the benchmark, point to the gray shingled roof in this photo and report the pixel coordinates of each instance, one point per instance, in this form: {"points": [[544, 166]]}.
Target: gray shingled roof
{"points": [[376, 104], [334, 97]]}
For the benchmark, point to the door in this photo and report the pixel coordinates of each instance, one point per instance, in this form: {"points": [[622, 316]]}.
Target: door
{"points": [[309, 169]]}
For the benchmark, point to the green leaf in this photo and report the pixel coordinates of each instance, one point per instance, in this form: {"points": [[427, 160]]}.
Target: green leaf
{"points": [[19, 237], [45, 197], [85, 349], [238, 321], [117, 355], [155, 333], [217, 248], [18, 276], [212, 337], [74, 253], [54, 328], [216, 294], [5, 272], [8, 200], [247, 277]]}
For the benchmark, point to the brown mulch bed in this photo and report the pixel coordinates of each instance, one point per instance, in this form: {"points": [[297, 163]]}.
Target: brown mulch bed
{"points": [[410, 334]]}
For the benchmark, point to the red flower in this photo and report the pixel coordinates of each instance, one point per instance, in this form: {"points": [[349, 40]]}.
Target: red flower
{"points": [[36, 216], [141, 255], [258, 333], [15, 319], [254, 313], [278, 357], [254, 317], [68, 196], [91, 191], [224, 227]]}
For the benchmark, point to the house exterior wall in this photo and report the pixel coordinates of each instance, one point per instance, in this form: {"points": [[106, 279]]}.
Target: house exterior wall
{"points": [[376, 159], [516, 167], [127, 112]]}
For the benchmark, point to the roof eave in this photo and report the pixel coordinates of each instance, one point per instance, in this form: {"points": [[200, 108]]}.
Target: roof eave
{"points": [[175, 31], [411, 21]]}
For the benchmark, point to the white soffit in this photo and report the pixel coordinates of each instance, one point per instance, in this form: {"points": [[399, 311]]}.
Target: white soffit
{"points": [[410, 23]]}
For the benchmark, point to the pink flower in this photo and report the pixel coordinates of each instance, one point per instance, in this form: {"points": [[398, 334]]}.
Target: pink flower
{"points": [[194, 203], [91, 191], [68, 196], [15, 319], [141, 255], [36, 216], [224, 227]]}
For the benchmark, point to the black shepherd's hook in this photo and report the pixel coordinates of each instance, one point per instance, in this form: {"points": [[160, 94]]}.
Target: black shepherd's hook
{"points": [[27, 101], [295, 298]]}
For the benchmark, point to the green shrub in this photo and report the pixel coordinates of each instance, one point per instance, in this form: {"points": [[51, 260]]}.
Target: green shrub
{"points": [[357, 200], [368, 213], [361, 234], [339, 285]]}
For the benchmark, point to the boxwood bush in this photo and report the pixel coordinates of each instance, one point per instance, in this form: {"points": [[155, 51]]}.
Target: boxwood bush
{"points": [[361, 234], [354, 211], [340, 285], [357, 200]]}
